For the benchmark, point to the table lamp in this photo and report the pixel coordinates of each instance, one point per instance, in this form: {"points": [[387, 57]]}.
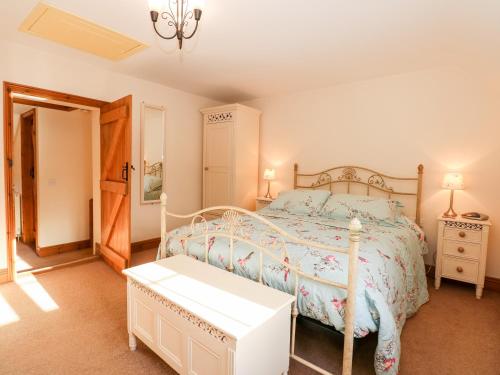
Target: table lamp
{"points": [[269, 175], [452, 181]]}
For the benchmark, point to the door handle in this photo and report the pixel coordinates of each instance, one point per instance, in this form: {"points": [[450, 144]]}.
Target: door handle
{"points": [[125, 172]]}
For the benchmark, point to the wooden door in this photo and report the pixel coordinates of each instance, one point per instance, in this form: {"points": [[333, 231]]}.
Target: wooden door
{"points": [[116, 134], [28, 177], [218, 157]]}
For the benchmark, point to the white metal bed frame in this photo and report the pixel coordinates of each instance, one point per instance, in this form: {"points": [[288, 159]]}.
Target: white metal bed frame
{"points": [[232, 230]]}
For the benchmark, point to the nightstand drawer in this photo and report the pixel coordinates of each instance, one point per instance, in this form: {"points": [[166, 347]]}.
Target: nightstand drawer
{"points": [[460, 269], [462, 249], [462, 234]]}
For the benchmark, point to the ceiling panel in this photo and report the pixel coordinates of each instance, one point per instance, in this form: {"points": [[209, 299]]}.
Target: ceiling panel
{"points": [[72, 31]]}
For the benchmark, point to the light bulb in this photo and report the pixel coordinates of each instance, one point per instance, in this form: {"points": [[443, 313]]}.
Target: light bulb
{"points": [[156, 5], [198, 4]]}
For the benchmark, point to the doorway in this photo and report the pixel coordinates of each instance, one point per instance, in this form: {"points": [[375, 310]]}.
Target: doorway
{"points": [[52, 184], [112, 218]]}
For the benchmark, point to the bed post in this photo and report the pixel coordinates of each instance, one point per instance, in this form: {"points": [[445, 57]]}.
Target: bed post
{"points": [[354, 230], [295, 169], [420, 169], [163, 237]]}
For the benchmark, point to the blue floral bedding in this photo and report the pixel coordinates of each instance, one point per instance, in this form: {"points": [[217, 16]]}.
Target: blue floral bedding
{"points": [[391, 283]]}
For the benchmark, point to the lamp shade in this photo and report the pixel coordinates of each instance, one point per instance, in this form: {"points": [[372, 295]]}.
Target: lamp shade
{"points": [[269, 174], [453, 181], [197, 4], [155, 5]]}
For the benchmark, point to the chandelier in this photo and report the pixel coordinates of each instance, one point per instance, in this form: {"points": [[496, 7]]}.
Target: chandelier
{"points": [[177, 14]]}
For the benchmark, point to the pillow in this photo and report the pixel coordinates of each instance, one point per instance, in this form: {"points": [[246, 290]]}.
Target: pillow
{"points": [[347, 206], [308, 202], [152, 183]]}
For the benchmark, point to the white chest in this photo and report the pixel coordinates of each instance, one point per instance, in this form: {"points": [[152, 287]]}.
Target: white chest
{"points": [[203, 320]]}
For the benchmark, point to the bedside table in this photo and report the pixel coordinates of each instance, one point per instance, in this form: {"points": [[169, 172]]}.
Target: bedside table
{"points": [[461, 251], [262, 202]]}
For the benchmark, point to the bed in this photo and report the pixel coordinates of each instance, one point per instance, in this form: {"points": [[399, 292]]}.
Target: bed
{"points": [[316, 256]]}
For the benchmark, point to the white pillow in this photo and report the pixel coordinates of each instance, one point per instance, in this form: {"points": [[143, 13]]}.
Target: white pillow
{"points": [[151, 183], [348, 206], [308, 202]]}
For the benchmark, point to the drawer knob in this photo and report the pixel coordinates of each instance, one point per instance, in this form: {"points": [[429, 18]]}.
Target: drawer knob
{"points": [[461, 234], [461, 249], [460, 269]]}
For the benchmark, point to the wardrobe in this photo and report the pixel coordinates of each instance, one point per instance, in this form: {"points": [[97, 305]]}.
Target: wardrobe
{"points": [[230, 156]]}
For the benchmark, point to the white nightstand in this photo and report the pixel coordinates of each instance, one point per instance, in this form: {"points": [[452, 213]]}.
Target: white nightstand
{"points": [[262, 202], [461, 251]]}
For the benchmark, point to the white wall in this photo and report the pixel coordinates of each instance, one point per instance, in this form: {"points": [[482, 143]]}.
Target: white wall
{"points": [[64, 164], [443, 118], [29, 66]]}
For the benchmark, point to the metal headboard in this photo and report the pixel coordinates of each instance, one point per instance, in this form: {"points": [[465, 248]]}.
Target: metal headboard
{"points": [[372, 180]]}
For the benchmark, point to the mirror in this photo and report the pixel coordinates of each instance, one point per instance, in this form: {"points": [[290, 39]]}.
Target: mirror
{"points": [[152, 148]]}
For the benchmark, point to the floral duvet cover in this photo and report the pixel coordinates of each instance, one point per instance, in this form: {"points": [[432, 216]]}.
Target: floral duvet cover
{"points": [[391, 274]]}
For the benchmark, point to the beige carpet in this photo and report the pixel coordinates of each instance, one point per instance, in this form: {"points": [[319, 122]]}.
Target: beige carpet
{"points": [[144, 256], [27, 258], [79, 327]]}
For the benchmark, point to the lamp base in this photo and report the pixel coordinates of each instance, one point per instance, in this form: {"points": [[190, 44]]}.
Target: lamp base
{"points": [[451, 212], [268, 194], [450, 215]]}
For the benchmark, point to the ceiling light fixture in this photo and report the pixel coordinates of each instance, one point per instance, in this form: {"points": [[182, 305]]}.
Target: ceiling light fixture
{"points": [[185, 10]]}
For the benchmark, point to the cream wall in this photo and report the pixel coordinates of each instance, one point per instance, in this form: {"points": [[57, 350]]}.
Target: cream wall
{"points": [[444, 118], [64, 164], [29, 66]]}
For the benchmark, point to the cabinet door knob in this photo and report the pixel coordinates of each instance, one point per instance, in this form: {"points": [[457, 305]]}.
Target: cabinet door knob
{"points": [[460, 269], [461, 249], [461, 234], [206, 168]]}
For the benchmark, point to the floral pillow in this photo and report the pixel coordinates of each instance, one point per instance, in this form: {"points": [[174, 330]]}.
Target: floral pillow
{"points": [[308, 202], [347, 206]]}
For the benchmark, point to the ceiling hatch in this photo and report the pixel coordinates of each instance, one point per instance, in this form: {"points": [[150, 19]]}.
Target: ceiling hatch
{"points": [[58, 26]]}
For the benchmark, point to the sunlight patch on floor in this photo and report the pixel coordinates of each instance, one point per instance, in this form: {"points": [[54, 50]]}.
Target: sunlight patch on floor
{"points": [[34, 290], [21, 264], [7, 313]]}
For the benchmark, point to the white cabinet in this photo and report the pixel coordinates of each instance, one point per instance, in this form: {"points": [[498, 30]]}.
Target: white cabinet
{"points": [[230, 156], [461, 251]]}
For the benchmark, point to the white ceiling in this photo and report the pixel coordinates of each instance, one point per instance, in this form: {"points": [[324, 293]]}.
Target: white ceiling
{"points": [[247, 49]]}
